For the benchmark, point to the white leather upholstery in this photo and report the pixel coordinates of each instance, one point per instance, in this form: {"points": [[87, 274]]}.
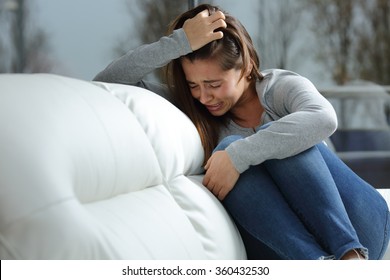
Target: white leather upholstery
{"points": [[103, 171], [82, 176]]}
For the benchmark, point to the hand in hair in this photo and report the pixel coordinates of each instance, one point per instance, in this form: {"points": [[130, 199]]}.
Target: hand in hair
{"points": [[221, 175], [200, 30]]}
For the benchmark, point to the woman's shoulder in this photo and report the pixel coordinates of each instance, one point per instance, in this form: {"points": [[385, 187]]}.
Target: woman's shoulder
{"points": [[274, 75], [272, 78], [279, 84], [281, 79]]}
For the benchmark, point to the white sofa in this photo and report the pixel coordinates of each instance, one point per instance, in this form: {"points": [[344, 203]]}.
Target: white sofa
{"points": [[103, 171], [86, 176]]}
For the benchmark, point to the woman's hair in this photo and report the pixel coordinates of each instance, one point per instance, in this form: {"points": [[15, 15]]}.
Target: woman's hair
{"points": [[234, 51]]}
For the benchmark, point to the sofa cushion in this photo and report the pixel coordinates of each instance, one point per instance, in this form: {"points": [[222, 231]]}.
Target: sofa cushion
{"points": [[100, 171], [172, 135]]}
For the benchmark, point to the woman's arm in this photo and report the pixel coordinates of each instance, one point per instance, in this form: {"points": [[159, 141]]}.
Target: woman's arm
{"points": [[132, 67], [135, 64], [302, 118]]}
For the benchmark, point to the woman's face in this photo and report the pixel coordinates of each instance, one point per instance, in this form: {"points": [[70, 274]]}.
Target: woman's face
{"points": [[218, 90]]}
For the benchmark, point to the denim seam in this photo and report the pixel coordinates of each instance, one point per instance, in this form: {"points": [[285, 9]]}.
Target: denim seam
{"points": [[385, 244], [280, 253]]}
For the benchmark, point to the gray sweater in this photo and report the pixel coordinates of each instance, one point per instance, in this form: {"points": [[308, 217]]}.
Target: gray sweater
{"points": [[301, 117]]}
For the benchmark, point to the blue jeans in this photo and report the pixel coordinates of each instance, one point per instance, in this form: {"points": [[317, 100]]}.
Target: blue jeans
{"points": [[308, 206]]}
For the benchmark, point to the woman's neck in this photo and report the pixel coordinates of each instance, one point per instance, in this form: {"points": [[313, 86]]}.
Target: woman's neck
{"points": [[248, 110]]}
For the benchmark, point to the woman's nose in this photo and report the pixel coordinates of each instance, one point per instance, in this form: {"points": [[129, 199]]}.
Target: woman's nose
{"points": [[205, 96]]}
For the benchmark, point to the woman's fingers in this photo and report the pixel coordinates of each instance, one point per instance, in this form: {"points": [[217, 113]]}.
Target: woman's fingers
{"points": [[217, 20], [221, 175], [200, 30], [217, 16]]}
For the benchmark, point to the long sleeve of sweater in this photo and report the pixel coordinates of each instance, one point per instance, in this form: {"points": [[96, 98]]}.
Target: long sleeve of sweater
{"points": [[132, 67], [301, 117]]}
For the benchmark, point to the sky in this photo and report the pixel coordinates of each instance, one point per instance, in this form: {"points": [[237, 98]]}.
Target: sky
{"points": [[83, 33]]}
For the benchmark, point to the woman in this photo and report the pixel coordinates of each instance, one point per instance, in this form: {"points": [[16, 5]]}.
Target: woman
{"points": [[262, 133]]}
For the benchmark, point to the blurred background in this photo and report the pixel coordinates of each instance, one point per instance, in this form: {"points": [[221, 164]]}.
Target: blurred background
{"points": [[342, 46], [329, 41]]}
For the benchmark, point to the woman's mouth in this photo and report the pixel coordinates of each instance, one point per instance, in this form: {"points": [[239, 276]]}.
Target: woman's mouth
{"points": [[215, 107]]}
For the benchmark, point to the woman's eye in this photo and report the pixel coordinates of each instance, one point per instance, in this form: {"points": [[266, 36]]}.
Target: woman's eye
{"points": [[215, 85]]}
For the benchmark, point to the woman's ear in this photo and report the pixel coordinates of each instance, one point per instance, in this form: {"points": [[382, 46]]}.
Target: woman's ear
{"points": [[248, 72]]}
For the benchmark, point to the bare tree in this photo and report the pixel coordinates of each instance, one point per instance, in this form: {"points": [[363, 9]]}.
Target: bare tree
{"points": [[5, 60], [22, 48], [157, 16], [354, 36], [278, 23], [151, 20], [333, 23], [373, 53]]}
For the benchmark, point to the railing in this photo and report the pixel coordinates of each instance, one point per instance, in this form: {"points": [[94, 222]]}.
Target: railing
{"points": [[360, 106], [362, 139]]}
